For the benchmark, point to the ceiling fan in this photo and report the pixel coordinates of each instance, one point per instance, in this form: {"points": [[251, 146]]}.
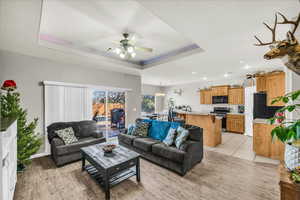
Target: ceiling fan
{"points": [[127, 47]]}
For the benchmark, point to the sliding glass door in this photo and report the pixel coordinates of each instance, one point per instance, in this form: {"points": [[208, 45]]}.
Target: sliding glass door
{"points": [[109, 111]]}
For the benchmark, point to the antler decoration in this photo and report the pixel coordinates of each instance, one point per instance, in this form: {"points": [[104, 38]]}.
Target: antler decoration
{"points": [[273, 30], [286, 21]]}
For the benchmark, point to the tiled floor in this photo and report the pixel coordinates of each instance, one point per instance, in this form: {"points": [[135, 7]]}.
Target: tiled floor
{"points": [[239, 146]]}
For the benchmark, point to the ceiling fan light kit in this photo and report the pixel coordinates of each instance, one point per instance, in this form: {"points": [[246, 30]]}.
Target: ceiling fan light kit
{"points": [[128, 48]]}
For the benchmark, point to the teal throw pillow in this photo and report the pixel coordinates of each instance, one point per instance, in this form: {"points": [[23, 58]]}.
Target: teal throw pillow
{"points": [[182, 135], [169, 140], [159, 130]]}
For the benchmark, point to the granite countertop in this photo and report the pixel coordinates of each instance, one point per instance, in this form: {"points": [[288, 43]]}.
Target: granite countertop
{"points": [[261, 121], [192, 113], [6, 122], [198, 113], [236, 113]]}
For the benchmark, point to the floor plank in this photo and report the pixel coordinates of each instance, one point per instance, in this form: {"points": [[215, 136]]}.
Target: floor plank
{"points": [[218, 177]]}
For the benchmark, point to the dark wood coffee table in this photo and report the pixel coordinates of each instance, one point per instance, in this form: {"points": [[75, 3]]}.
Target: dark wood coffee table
{"points": [[108, 171]]}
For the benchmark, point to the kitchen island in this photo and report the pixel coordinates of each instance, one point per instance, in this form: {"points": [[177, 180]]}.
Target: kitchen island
{"points": [[211, 124]]}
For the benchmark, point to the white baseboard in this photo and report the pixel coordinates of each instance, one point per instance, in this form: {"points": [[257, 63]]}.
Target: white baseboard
{"points": [[38, 155]]}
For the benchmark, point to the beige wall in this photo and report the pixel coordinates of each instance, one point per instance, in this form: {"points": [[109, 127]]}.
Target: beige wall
{"points": [[28, 72]]}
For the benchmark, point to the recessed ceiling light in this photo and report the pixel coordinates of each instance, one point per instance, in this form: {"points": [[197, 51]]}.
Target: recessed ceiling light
{"points": [[247, 67], [241, 61], [227, 74], [204, 78], [194, 73]]}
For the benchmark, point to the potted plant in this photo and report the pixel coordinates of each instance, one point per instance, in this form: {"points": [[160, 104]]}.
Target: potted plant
{"points": [[288, 130], [28, 142]]}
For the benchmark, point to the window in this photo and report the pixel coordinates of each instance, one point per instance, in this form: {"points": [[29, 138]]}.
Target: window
{"points": [[148, 104], [109, 110]]}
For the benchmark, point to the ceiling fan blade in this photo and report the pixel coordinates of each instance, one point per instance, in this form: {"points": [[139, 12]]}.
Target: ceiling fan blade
{"points": [[143, 48]]}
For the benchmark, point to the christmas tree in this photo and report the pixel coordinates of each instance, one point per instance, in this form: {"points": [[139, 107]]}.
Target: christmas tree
{"points": [[28, 142]]}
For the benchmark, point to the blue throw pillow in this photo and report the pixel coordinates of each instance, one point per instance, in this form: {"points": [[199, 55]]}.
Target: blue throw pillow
{"points": [[130, 129], [182, 135], [159, 129], [175, 125], [169, 140]]}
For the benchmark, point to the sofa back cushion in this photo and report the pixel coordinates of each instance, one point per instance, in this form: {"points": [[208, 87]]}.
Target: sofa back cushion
{"points": [[159, 129], [87, 128], [61, 125], [195, 132]]}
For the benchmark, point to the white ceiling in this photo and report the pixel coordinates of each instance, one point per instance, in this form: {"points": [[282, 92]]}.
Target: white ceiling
{"points": [[223, 28], [98, 24]]}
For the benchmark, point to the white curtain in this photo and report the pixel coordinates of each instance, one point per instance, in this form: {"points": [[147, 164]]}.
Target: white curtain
{"points": [[66, 103]]}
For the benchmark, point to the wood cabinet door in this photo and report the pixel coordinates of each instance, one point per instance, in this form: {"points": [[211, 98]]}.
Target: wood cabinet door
{"points": [[261, 83], [261, 139], [235, 123], [275, 87], [236, 96], [202, 96], [208, 97]]}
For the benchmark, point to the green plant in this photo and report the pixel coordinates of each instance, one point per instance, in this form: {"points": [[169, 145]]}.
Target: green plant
{"points": [[28, 142], [288, 130]]}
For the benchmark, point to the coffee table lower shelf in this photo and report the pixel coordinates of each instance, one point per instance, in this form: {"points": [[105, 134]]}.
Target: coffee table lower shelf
{"points": [[113, 179]]}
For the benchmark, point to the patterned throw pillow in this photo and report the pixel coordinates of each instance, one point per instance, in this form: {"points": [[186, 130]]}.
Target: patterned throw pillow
{"points": [[169, 140], [141, 129], [130, 129], [67, 135], [182, 135]]}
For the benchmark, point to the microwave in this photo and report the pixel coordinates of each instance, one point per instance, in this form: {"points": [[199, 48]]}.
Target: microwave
{"points": [[220, 99]]}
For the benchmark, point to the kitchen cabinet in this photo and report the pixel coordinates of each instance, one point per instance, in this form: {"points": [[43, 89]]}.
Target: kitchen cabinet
{"points": [[261, 82], [275, 86], [263, 145], [205, 96], [221, 90], [235, 123], [236, 96]]}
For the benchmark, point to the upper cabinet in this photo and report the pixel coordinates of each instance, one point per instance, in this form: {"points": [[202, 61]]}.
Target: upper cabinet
{"points": [[221, 90], [261, 81], [206, 96], [275, 84], [236, 95]]}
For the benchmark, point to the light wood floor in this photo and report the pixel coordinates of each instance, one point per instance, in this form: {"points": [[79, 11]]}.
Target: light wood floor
{"points": [[218, 177]]}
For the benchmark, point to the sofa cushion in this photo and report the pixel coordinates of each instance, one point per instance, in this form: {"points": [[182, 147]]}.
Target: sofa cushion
{"points": [[87, 128], [61, 125], [168, 152], [75, 147], [195, 132], [159, 129], [127, 139], [144, 144]]}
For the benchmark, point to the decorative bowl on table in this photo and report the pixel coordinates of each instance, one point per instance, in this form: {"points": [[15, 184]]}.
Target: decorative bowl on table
{"points": [[108, 148]]}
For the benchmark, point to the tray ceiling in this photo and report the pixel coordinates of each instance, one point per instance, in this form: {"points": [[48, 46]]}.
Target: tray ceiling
{"points": [[93, 26]]}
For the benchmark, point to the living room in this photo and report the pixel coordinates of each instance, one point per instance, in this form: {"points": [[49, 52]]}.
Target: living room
{"points": [[142, 99]]}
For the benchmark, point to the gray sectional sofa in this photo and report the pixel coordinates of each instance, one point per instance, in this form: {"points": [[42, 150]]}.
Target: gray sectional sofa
{"points": [[178, 160], [87, 133]]}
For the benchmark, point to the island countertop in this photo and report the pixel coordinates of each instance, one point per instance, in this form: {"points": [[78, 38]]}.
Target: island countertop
{"points": [[6, 122]]}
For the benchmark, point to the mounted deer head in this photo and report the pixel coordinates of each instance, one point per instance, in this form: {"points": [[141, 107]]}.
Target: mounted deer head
{"points": [[281, 48]]}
